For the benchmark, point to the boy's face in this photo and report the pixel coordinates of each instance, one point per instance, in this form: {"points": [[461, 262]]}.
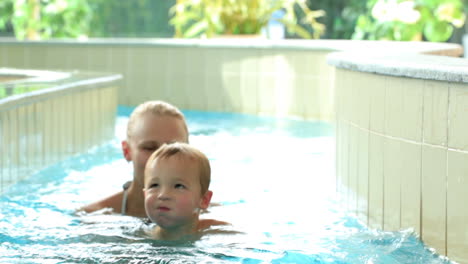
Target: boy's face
{"points": [[173, 192], [149, 133]]}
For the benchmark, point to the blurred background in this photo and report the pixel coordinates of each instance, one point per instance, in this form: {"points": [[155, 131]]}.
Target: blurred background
{"points": [[402, 20]]}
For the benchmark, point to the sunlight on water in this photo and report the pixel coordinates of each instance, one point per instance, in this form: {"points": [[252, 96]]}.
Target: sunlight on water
{"points": [[274, 179]]}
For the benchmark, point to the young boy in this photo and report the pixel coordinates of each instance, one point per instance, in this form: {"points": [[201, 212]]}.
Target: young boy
{"points": [[177, 178], [150, 125]]}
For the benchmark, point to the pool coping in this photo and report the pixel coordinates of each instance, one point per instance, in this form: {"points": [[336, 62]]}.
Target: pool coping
{"points": [[60, 82], [394, 58]]}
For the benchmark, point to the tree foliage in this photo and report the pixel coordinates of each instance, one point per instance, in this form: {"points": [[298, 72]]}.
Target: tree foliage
{"points": [[341, 16], [134, 18], [432, 20], [43, 19]]}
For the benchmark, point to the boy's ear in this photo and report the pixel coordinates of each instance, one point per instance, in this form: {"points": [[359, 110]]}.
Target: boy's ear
{"points": [[205, 200], [126, 150]]}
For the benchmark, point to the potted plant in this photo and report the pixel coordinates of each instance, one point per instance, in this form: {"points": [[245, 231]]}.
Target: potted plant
{"points": [[208, 18]]}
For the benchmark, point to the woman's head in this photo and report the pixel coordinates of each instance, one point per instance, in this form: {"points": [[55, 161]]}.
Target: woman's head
{"points": [[151, 125], [156, 108]]}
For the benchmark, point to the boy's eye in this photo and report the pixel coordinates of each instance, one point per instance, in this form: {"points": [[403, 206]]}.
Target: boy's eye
{"points": [[179, 186], [150, 148], [154, 185]]}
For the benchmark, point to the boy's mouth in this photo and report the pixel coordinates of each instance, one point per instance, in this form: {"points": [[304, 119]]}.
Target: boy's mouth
{"points": [[163, 208]]}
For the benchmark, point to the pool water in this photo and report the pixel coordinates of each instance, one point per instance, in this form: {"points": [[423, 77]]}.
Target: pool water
{"points": [[274, 181]]}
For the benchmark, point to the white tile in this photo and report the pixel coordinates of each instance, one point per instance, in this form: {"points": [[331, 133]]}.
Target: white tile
{"points": [[233, 58], [412, 109], [248, 93], [119, 61], [59, 57], [267, 61], [410, 158], [35, 57], [98, 58], [353, 170], [15, 57], [363, 175], [14, 145], [138, 71], [157, 81], [394, 106], [214, 93], [376, 180], [433, 183], [284, 94], [267, 95], [39, 129], [250, 63], [31, 141], [95, 120], [67, 110], [361, 94], [200, 93], [232, 89], [177, 90], [283, 68], [23, 142], [458, 113], [392, 184], [313, 101], [343, 161], [346, 93], [4, 139], [48, 131], [435, 113], [457, 212], [340, 84], [327, 101], [60, 119], [377, 103]]}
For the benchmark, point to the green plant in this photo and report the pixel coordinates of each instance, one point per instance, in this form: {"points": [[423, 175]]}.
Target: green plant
{"points": [[19, 89], [141, 18], [341, 17], [42, 19], [206, 18], [433, 20]]}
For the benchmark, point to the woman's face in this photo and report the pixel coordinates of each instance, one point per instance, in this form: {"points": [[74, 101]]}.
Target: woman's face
{"points": [[151, 131]]}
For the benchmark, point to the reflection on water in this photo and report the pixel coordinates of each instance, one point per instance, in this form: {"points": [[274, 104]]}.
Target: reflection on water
{"points": [[273, 179]]}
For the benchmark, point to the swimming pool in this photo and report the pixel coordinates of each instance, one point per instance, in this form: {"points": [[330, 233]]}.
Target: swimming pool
{"points": [[273, 177]]}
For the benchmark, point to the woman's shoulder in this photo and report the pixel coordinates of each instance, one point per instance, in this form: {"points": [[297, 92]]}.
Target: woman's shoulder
{"points": [[114, 201]]}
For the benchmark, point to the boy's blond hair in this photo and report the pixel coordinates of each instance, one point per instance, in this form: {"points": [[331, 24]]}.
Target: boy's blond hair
{"points": [[158, 108], [184, 151]]}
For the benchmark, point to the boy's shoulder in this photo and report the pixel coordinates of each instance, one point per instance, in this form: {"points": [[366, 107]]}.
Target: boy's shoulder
{"points": [[207, 223]]}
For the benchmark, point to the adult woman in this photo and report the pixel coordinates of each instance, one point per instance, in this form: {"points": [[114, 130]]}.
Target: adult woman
{"points": [[150, 125]]}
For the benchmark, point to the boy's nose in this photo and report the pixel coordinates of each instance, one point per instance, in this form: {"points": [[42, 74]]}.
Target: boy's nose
{"points": [[164, 194]]}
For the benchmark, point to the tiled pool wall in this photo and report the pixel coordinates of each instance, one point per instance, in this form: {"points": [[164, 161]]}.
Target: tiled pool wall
{"points": [[42, 127], [255, 79], [401, 144], [402, 150]]}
